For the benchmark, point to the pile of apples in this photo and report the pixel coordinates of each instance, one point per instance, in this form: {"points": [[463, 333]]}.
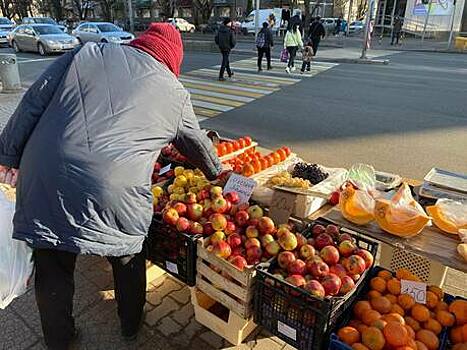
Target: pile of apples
{"points": [[156, 178], [227, 147], [328, 264], [172, 153], [252, 162]]}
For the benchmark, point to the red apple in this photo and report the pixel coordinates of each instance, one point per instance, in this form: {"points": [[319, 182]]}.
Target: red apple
{"points": [[238, 261], [219, 205], [194, 211], [252, 232], [307, 251], [232, 197], [281, 230], [297, 267], [253, 222], [367, 256], [331, 284], [238, 251], [347, 248], [266, 225], [288, 241], [222, 249], [202, 195], [253, 255], [183, 224], [338, 270], [255, 212], [273, 248], [355, 277], [241, 218], [190, 198], [347, 285], [196, 228], [180, 208], [170, 216], [311, 241], [315, 288], [345, 237], [234, 240], [208, 229], [218, 221], [296, 280], [301, 240], [285, 259], [334, 198], [317, 230], [230, 228], [252, 242], [317, 269], [332, 230], [323, 240], [330, 255], [355, 265]]}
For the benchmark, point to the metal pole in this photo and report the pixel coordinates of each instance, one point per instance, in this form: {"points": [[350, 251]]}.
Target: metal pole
{"points": [[257, 19], [130, 14], [348, 17], [426, 21], [367, 29], [392, 17], [451, 33]]}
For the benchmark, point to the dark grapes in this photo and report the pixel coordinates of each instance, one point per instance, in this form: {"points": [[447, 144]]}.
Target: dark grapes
{"points": [[311, 172]]}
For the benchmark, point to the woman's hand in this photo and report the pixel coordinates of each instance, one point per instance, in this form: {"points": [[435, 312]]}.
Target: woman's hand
{"points": [[8, 175]]}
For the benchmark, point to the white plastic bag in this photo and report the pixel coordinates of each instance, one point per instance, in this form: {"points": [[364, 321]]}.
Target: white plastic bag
{"points": [[16, 265]]}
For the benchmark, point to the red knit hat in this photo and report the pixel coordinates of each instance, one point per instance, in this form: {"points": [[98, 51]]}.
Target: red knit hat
{"points": [[163, 42]]}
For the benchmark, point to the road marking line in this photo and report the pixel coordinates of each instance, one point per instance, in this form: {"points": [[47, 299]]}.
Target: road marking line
{"points": [[205, 112], [212, 106], [235, 81], [220, 95], [36, 60], [221, 85], [282, 80], [216, 100], [254, 80], [223, 90]]}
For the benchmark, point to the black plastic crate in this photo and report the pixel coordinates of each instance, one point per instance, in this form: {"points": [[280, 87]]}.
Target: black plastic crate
{"points": [[294, 315], [172, 251]]}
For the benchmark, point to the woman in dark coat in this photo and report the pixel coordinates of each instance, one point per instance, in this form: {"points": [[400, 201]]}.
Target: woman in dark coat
{"points": [[85, 138]]}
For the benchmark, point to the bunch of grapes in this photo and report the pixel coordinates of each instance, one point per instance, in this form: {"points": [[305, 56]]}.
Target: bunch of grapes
{"points": [[311, 172]]}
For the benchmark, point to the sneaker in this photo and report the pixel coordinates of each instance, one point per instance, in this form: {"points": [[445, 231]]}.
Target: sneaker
{"points": [[301, 72], [221, 79], [287, 70]]}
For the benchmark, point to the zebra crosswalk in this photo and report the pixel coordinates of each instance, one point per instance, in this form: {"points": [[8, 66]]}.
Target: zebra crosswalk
{"points": [[211, 97]]}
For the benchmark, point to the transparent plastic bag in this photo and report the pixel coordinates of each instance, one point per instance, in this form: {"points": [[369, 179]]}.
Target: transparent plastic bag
{"points": [[454, 211], [405, 206], [16, 264]]}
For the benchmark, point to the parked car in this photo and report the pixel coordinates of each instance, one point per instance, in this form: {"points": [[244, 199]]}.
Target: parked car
{"points": [[329, 24], [6, 26], [249, 23], [101, 32], [42, 38], [356, 27], [42, 20], [182, 25]]}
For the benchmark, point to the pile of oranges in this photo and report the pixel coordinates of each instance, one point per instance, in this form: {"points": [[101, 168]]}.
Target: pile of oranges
{"points": [[389, 320]]}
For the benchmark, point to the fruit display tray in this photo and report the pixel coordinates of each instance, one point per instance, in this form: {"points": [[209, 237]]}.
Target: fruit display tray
{"points": [[296, 316], [172, 251]]}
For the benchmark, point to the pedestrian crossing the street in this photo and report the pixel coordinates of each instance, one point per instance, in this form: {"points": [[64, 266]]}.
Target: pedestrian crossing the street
{"points": [[211, 97]]}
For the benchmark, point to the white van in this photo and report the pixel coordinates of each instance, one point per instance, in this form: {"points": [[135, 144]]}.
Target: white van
{"points": [[248, 24]]}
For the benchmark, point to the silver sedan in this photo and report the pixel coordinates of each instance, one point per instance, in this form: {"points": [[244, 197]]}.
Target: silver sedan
{"points": [[102, 32], [42, 38]]}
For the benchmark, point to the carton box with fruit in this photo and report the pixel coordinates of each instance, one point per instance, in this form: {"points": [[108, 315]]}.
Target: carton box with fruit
{"points": [[386, 319], [300, 295]]}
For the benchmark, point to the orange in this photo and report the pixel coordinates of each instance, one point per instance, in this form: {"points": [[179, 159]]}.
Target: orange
{"points": [[405, 347], [396, 334], [378, 284], [354, 323], [406, 301], [348, 335], [373, 338], [359, 346], [380, 324], [459, 309], [391, 298], [410, 331], [420, 345], [433, 325], [428, 338], [397, 310], [420, 313], [437, 290], [361, 307], [394, 286], [361, 328], [445, 318], [370, 316], [460, 346], [412, 343], [412, 323], [442, 306], [393, 317], [456, 335], [431, 300], [381, 304], [373, 294], [403, 274], [387, 275]]}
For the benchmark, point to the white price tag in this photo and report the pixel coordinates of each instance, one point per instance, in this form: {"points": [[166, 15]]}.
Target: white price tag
{"points": [[287, 330], [171, 267], [416, 289], [165, 169], [242, 185]]}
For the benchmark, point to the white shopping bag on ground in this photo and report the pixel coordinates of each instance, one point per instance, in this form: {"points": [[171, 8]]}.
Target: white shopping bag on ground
{"points": [[16, 265]]}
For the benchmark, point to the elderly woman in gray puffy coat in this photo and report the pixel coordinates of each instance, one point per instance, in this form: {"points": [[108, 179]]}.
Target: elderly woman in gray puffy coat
{"points": [[84, 141]]}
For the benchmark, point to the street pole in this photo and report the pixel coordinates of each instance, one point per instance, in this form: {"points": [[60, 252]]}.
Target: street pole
{"points": [[392, 18], [348, 17], [426, 21], [130, 14], [451, 33], [368, 28], [256, 19]]}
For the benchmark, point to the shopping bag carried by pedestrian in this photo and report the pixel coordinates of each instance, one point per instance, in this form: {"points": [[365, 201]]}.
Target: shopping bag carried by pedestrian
{"points": [[284, 55], [16, 265]]}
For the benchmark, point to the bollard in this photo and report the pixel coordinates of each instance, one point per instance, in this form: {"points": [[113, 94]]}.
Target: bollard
{"points": [[9, 74]]}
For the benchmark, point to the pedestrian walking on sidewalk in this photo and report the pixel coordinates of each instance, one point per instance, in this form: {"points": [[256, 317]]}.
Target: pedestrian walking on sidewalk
{"points": [[292, 42], [396, 30], [317, 32], [307, 57], [264, 43], [84, 140], [225, 39]]}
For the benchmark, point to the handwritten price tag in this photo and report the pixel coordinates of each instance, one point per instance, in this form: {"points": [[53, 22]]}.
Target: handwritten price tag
{"points": [[242, 185], [282, 206], [416, 289], [171, 267], [165, 169]]}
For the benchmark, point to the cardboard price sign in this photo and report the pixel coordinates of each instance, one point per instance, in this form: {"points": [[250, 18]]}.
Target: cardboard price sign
{"points": [[242, 185], [416, 289], [282, 206], [165, 169]]}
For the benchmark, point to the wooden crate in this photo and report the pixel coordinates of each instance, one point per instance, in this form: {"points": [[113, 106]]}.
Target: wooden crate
{"points": [[224, 283], [220, 320]]}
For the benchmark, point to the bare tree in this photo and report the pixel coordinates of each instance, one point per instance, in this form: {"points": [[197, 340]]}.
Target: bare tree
{"points": [[204, 8], [339, 7], [361, 8], [106, 8], [7, 8]]}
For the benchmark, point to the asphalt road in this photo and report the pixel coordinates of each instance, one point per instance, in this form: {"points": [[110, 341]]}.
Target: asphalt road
{"points": [[406, 117]]}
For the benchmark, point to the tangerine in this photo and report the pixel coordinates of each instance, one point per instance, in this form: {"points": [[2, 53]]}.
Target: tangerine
{"points": [[413, 323], [374, 294], [392, 298], [460, 346], [438, 291], [348, 335], [442, 306], [420, 345], [431, 300], [406, 301], [433, 325], [381, 304], [361, 307], [387, 275], [410, 331], [359, 346], [459, 309], [362, 327], [378, 284], [380, 324], [370, 316], [420, 313], [428, 338], [394, 286], [397, 309], [394, 317], [373, 338], [445, 318], [456, 335], [396, 334]]}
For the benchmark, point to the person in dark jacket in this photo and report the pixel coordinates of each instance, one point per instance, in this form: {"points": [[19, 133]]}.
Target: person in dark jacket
{"points": [[225, 39], [84, 140], [264, 42], [316, 32], [396, 30]]}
